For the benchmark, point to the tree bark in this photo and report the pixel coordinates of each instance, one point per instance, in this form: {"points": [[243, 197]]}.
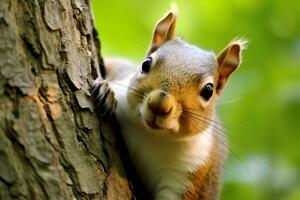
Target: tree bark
{"points": [[52, 145]]}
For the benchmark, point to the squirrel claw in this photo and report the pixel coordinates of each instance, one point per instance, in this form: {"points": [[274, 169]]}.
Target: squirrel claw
{"points": [[104, 99]]}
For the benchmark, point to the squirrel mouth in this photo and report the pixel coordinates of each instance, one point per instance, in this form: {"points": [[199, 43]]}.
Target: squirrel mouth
{"points": [[152, 124], [172, 125]]}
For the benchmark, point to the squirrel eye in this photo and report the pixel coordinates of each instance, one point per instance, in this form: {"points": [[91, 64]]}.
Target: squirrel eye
{"points": [[207, 91], [146, 65]]}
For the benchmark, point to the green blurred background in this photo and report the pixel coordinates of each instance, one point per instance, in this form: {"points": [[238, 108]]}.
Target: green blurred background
{"points": [[261, 105]]}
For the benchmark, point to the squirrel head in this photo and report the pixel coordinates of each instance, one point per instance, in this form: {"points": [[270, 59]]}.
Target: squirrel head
{"points": [[176, 89]]}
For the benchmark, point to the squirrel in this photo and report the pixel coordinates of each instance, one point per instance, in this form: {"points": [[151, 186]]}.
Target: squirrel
{"points": [[166, 109]]}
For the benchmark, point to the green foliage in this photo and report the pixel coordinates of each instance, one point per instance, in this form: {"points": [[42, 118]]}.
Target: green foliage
{"points": [[261, 105]]}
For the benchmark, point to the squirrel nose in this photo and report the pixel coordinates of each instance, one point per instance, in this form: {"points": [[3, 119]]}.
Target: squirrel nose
{"points": [[160, 103]]}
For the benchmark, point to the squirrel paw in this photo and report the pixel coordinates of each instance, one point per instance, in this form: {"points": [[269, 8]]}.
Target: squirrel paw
{"points": [[104, 99]]}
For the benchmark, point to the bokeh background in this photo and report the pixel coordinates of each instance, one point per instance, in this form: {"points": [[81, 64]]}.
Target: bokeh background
{"points": [[261, 104]]}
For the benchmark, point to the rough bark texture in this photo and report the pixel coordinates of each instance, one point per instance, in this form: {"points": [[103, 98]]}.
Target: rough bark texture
{"points": [[52, 145]]}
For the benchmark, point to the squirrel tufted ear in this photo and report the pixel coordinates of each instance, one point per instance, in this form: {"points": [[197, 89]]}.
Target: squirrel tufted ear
{"points": [[164, 30], [228, 60]]}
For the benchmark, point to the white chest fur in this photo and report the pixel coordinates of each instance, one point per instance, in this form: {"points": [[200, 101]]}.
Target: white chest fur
{"points": [[163, 164]]}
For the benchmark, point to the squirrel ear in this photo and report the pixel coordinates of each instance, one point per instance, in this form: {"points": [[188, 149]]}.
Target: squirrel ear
{"points": [[228, 60], [164, 30]]}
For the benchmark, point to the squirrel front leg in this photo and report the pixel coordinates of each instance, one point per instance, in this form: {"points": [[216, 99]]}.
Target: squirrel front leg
{"points": [[104, 98]]}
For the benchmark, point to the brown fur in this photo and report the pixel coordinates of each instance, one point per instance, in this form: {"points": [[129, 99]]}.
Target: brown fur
{"points": [[206, 180]]}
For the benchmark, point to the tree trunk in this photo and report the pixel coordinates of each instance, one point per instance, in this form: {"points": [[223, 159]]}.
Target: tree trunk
{"points": [[52, 145]]}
